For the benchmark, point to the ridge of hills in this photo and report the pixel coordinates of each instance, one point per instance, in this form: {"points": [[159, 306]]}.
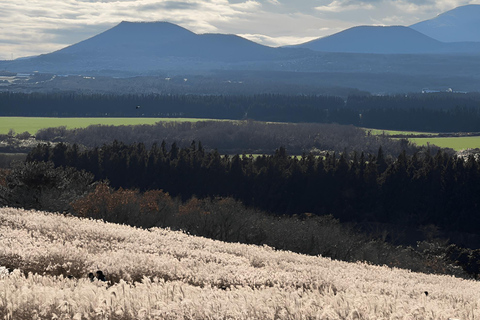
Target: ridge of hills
{"points": [[386, 40], [150, 46], [370, 58], [164, 39], [461, 24]]}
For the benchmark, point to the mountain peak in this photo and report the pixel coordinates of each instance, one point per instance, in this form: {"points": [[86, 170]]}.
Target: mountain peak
{"points": [[457, 25], [375, 39]]}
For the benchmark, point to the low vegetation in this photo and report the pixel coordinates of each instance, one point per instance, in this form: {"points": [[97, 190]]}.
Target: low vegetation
{"points": [[162, 274]]}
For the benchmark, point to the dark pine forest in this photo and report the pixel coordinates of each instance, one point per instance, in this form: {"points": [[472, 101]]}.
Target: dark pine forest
{"points": [[435, 112], [411, 190]]}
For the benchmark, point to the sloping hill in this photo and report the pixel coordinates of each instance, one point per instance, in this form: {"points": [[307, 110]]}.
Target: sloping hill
{"points": [[186, 277], [461, 24], [131, 40], [385, 40], [140, 46]]}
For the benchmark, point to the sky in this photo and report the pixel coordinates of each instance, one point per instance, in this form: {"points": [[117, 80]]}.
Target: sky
{"points": [[32, 27]]}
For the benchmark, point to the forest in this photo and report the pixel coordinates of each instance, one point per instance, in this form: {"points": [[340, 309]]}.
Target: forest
{"points": [[416, 190], [233, 137], [337, 190], [430, 112], [255, 200]]}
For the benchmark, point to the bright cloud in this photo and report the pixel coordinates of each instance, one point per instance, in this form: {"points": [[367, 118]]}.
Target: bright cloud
{"points": [[33, 27], [339, 6]]}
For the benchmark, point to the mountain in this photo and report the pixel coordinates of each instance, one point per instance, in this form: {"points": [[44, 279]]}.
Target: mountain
{"points": [[376, 59], [142, 46], [163, 39], [461, 24], [385, 40]]}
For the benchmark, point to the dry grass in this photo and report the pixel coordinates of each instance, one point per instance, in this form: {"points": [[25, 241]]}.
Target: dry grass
{"points": [[161, 274]]}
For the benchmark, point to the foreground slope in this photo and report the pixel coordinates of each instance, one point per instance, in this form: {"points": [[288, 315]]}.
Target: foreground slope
{"points": [[186, 277]]}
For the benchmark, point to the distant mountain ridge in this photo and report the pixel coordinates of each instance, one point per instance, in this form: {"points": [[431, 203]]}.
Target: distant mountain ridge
{"points": [[386, 40], [150, 46], [164, 39], [375, 39], [362, 57], [461, 24]]}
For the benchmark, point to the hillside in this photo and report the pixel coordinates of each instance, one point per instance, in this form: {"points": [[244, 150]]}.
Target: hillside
{"points": [[385, 40], [457, 25], [171, 60], [162, 39], [142, 46], [186, 277]]}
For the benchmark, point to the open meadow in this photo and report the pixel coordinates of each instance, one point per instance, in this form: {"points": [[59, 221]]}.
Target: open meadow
{"points": [[161, 274], [456, 143], [33, 124]]}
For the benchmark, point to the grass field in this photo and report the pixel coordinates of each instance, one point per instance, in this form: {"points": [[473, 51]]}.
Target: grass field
{"points": [[162, 274], [456, 143], [379, 132], [33, 124]]}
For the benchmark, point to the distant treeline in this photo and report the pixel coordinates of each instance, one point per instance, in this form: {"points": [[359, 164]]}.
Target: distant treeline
{"points": [[418, 190], [230, 137], [439, 112]]}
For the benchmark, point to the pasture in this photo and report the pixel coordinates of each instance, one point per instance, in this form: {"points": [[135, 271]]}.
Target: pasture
{"points": [[33, 124], [379, 132], [456, 143], [460, 142]]}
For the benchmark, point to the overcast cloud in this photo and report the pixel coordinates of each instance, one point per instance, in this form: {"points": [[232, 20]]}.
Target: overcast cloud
{"points": [[34, 27]]}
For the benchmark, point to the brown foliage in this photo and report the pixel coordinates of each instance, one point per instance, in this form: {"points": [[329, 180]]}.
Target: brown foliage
{"points": [[125, 206], [3, 177]]}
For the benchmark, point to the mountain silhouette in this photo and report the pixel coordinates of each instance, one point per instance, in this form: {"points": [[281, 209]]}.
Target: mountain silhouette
{"points": [[385, 40], [461, 24], [140, 46], [164, 39]]}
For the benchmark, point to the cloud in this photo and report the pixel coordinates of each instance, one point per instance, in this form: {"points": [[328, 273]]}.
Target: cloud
{"points": [[339, 6], [169, 5], [277, 41]]}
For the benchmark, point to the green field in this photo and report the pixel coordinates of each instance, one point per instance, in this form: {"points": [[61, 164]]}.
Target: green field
{"points": [[32, 124], [456, 143], [379, 132]]}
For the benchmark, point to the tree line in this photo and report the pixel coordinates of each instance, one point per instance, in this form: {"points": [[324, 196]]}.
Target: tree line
{"points": [[412, 190], [41, 186], [232, 137], [440, 112]]}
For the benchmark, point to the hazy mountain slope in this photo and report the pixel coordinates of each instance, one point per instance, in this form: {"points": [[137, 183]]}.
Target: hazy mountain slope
{"points": [[376, 59], [385, 40], [149, 46], [163, 39], [185, 277], [459, 24]]}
